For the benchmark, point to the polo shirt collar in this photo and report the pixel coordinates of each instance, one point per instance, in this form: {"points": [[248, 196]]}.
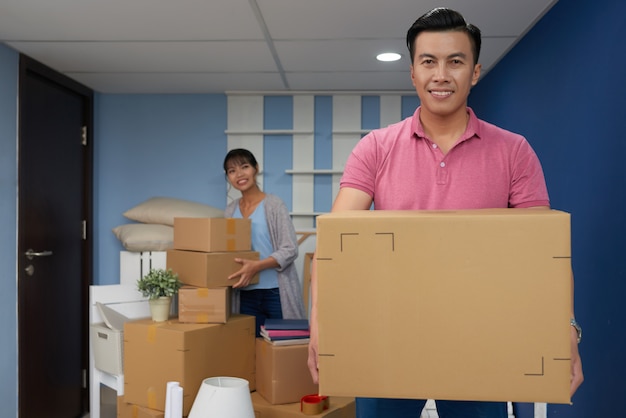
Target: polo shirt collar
{"points": [[473, 126]]}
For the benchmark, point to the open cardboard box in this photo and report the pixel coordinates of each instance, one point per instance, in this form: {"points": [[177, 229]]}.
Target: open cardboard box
{"points": [[461, 305]]}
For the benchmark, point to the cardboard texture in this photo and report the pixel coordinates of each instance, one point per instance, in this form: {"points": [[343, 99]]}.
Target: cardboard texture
{"points": [[210, 270], [340, 407], [461, 305], [282, 374], [129, 410], [201, 305], [159, 352], [212, 234]]}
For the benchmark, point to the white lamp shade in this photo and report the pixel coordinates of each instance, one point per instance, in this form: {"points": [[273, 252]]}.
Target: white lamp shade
{"points": [[223, 397]]}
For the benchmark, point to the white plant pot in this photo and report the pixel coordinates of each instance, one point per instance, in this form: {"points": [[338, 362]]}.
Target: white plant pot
{"points": [[160, 308]]}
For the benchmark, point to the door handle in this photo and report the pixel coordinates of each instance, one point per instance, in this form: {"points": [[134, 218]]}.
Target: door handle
{"points": [[30, 253]]}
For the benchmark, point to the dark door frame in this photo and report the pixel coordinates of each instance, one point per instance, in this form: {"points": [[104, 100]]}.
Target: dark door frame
{"points": [[28, 65]]}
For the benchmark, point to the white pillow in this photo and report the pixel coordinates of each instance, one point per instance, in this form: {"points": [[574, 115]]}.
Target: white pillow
{"points": [[145, 237], [163, 210]]}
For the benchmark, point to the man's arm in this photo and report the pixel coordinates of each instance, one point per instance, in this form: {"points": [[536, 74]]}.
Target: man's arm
{"points": [[577, 376], [347, 199], [576, 363]]}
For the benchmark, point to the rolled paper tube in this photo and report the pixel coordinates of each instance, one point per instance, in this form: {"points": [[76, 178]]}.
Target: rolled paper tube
{"points": [[168, 398], [177, 402], [314, 404]]}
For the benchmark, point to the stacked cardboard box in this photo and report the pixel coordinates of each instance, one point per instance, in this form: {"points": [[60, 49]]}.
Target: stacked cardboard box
{"points": [[159, 352], [282, 374], [204, 256], [205, 340]]}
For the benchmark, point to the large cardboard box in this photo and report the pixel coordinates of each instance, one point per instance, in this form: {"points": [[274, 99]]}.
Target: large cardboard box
{"points": [[159, 352], [339, 407], [465, 305], [129, 410], [208, 269], [282, 373], [212, 234], [201, 305]]}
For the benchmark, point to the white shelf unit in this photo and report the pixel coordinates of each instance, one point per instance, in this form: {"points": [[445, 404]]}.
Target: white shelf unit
{"points": [[324, 171], [269, 132], [352, 131], [315, 171], [306, 213]]}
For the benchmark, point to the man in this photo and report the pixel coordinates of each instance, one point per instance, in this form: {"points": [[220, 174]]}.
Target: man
{"points": [[443, 157]]}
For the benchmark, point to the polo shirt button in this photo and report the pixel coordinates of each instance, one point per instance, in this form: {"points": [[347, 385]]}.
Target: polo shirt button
{"points": [[442, 164], [434, 145]]}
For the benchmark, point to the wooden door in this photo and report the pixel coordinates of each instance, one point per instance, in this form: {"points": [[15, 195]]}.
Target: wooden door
{"points": [[54, 242]]}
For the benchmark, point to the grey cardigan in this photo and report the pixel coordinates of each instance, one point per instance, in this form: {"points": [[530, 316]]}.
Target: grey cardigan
{"points": [[285, 244]]}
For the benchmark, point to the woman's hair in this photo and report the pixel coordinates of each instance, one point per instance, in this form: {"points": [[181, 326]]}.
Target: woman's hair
{"points": [[442, 19], [239, 156]]}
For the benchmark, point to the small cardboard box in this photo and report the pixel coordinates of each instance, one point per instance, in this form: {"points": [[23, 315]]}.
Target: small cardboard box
{"points": [[282, 373], [129, 410], [460, 305], [339, 407], [201, 305], [159, 352], [212, 234], [210, 270]]}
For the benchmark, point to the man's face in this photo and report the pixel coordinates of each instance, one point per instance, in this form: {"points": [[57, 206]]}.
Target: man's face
{"points": [[443, 71]]}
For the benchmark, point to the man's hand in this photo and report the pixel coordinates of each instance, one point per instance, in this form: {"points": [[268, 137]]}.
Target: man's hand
{"points": [[312, 362], [576, 365]]}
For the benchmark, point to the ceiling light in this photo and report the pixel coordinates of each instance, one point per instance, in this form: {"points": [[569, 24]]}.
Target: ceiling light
{"points": [[388, 56]]}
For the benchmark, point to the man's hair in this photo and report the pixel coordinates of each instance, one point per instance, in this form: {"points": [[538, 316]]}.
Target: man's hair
{"points": [[442, 19]]}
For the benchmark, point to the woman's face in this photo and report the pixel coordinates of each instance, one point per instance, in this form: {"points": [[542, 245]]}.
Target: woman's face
{"points": [[241, 175]]}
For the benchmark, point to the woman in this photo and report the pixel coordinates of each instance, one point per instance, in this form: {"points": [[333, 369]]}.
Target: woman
{"points": [[279, 292]]}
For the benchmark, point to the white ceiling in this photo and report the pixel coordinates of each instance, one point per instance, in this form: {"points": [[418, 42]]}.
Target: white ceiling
{"points": [[216, 46]]}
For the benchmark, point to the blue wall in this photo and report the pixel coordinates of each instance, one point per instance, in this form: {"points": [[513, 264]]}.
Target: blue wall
{"points": [[563, 87], [153, 145], [8, 225]]}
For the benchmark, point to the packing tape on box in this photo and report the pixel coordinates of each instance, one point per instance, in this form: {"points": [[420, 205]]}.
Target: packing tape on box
{"points": [[202, 318], [314, 404], [151, 395], [151, 334], [231, 226], [202, 292]]}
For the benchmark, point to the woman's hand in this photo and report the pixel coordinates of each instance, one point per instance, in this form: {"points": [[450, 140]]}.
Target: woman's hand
{"points": [[245, 274]]}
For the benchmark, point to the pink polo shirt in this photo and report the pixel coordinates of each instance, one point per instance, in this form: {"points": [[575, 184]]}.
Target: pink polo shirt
{"points": [[488, 167]]}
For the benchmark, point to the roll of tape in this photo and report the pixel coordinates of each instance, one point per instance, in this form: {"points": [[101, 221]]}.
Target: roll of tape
{"points": [[314, 404]]}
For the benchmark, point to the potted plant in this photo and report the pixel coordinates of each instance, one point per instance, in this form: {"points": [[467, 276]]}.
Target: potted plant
{"points": [[159, 285]]}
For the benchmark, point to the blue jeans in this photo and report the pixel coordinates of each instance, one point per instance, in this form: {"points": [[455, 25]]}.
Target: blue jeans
{"points": [[407, 408], [261, 303]]}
